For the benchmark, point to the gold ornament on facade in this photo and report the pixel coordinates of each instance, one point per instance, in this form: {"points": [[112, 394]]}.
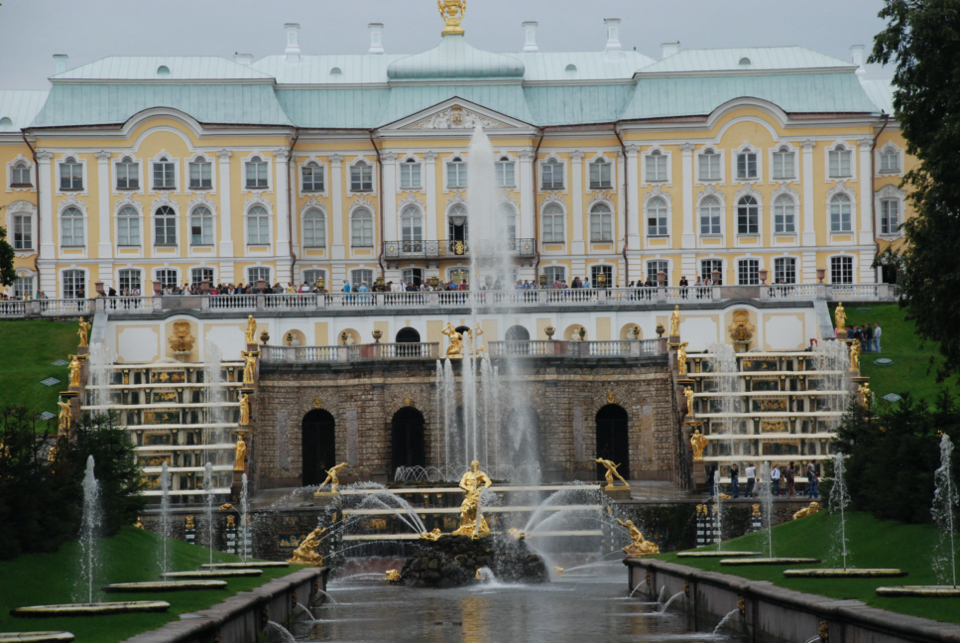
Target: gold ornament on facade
{"points": [[251, 332], [741, 330], [807, 511], [181, 341], [473, 483], [458, 247], [455, 349], [226, 507], [240, 453], [701, 510], [244, 409], [189, 523], [611, 473], [333, 477], [452, 12], [699, 442], [231, 522], [306, 553], [407, 401], [610, 397], [682, 358], [317, 403], [688, 393], [84, 333], [675, 322], [640, 545]]}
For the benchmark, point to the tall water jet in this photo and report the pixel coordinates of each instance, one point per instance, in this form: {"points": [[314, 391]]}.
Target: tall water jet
{"points": [[945, 506], [101, 358], [766, 503], [165, 526], [244, 548], [492, 233], [727, 384], [718, 505], [89, 532], [452, 429], [208, 507], [839, 500], [215, 394]]}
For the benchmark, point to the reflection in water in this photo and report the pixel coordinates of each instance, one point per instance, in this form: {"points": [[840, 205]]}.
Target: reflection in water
{"points": [[588, 605]]}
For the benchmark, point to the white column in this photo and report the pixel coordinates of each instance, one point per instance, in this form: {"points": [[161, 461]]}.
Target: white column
{"points": [[866, 193], [633, 196], [47, 259], [430, 185], [105, 249], [336, 167], [527, 205], [225, 251], [621, 211], [389, 196], [809, 231], [689, 239], [576, 187], [282, 247]]}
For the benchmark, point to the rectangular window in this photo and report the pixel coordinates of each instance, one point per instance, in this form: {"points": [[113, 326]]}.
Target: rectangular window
{"points": [[889, 161], [552, 175], [71, 176], [254, 275], [709, 166], [128, 176], [784, 215], [657, 223], [130, 282], [601, 227], [600, 175], [708, 267], [553, 227], [165, 230], [310, 277], [656, 168], [656, 267], [313, 178], [506, 174], [747, 166], [360, 277], [22, 232], [840, 164], [199, 275], [409, 176], [596, 281], [783, 167], [164, 177], [841, 270], [168, 278], [889, 216], [555, 274], [201, 175], [256, 174], [456, 174], [20, 175], [361, 178], [74, 284], [785, 271], [748, 272], [128, 229], [23, 288]]}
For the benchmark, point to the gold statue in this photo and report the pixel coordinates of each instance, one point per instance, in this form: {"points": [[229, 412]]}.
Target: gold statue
{"points": [[516, 533], [241, 454], [455, 350], [682, 358], [52, 453], [333, 477], [251, 332], [226, 506], [66, 416], [866, 395], [756, 511], [189, 524], [393, 576], [249, 366], [306, 553], [559, 571], [699, 442], [432, 536], [452, 13], [231, 522], [675, 322], [611, 472], [473, 483], [479, 575], [476, 351], [640, 545], [854, 356], [807, 511], [741, 330], [182, 341], [139, 523], [244, 410], [688, 393], [74, 371], [84, 333], [840, 318]]}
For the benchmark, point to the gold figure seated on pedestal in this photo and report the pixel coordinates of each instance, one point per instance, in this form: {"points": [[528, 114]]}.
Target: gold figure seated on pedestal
{"points": [[473, 483], [699, 442], [807, 511], [333, 477], [393, 576], [432, 536], [306, 553], [455, 350], [611, 472], [640, 545]]}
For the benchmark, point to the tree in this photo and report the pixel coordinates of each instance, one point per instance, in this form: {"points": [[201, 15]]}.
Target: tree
{"points": [[7, 273], [923, 38]]}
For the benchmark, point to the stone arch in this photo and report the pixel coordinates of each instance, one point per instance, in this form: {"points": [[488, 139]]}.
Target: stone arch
{"points": [[318, 446], [348, 337], [517, 334], [572, 333], [627, 332], [613, 439], [407, 437], [408, 336]]}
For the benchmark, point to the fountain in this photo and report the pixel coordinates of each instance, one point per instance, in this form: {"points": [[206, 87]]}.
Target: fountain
{"points": [[165, 525], [718, 518], [208, 508], [724, 620]]}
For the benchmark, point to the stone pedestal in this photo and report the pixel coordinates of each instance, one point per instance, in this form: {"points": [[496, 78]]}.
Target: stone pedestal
{"points": [[618, 493]]}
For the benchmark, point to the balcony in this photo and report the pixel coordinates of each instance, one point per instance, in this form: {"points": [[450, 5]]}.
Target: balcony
{"points": [[395, 250]]}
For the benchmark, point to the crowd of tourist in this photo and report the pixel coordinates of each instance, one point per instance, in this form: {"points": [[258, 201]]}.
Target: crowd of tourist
{"points": [[866, 335], [781, 478]]}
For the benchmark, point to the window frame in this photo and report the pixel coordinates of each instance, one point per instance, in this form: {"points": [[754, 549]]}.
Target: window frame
{"points": [[414, 215], [889, 149], [129, 214], [199, 162], [360, 177], [170, 214], [258, 212], [552, 273], [205, 219], [557, 171], [780, 152], [837, 223], [168, 167], [742, 160], [71, 275], [77, 165], [125, 274], [839, 148], [310, 241], [713, 262], [19, 166], [500, 172], [455, 162], [80, 219], [556, 213], [163, 275], [261, 271], [884, 223], [657, 264], [751, 218], [658, 224], [16, 228], [789, 219], [598, 166], [716, 219], [749, 266], [412, 166], [362, 214], [601, 221], [257, 160], [360, 276], [660, 157], [838, 264], [203, 271], [607, 270], [785, 266], [125, 165], [715, 157]]}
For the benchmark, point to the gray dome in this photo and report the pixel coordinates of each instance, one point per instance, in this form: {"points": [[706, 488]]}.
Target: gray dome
{"points": [[454, 58]]}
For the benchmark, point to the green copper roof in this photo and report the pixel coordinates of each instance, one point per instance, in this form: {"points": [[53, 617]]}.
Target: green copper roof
{"points": [[880, 93], [334, 108], [571, 104], [745, 58], [20, 106], [453, 58], [162, 68]]}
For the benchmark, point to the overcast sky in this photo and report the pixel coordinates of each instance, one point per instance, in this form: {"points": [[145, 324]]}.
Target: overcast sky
{"points": [[31, 31]]}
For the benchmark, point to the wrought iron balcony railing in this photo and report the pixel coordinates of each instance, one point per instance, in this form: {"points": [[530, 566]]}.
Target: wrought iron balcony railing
{"points": [[420, 249]]}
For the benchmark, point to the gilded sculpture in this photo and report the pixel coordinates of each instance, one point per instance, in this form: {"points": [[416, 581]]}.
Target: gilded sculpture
{"points": [[611, 472], [333, 477], [473, 483], [182, 341], [139, 523], [74, 371], [840, 319], [755, 510], [682, 358], [455, 350], [516, 533], [699, 442], [640, 545], [393, 576], [866, 395], [432, 536], [452, 12], [251, 332], [231, 522], [854, 356], [244, 410], [306, 553], [249, 365], [65, 416], [558, 571], [189, 524], [688, 393], [240, 451], [84, 333], [741, 330], [226, 506], [476, 351], [675, 322], [807, 511]]}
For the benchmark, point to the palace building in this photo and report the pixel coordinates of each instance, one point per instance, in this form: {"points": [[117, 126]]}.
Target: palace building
{"points": [[751, 163]]}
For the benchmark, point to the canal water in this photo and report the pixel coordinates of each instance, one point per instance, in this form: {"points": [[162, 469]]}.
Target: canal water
{"points": [[589, 604]]}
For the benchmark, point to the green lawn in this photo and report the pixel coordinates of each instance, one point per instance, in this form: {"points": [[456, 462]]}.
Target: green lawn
{"points": [[131, 556], [27, 350], [911, 371], [873, 543]]}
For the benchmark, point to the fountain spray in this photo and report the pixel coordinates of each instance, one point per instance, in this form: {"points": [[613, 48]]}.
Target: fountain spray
{"points": [[89, 530], [208, 506], [839, 500], [164, 518], [719, 508], [945, 502], [244, 521], [766, 500]]}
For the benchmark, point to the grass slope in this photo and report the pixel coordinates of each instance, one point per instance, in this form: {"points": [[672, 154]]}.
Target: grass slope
{"points": [[27, 350], [873, 543], [912, 370], [131, 556]]}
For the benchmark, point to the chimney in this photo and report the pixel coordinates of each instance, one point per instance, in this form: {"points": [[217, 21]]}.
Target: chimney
{"points": [[530, 37], [613, 34], [61, 61], [856, 54], [668, 49], [293, 46], [376, 37], [243, 59]]}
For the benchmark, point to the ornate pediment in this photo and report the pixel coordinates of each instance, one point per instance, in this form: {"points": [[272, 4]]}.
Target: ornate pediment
{"points": [[202, 199], [128, 201], [456, 117]]}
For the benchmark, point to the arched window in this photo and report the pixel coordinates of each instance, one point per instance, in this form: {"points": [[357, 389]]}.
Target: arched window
{"points": [[165, 226], [553, 223], [409, 448], [656, 167], [164, 174], [128, 227], [336, 71], [256, 173], [889, 160], [657, 217], [710, 213], [613, 440], [361, 229], [312, 175], [457, 223], [411, 223], [506, 172], [456, 173], [601, 223], [748, 216], [570, 69], [744, 62], [319, 441], [601, 175], [71, 175], [410, 175], [784, 166], [258, 226], [784, 214], [20, 175], [552, 172], [314, 229], [71, 228], [840, 162], [408, 336], [840, 214], [508, 221], [128, 174], [361, 177], [709, 165], [163, 70], [517, 334], [201, 227]]}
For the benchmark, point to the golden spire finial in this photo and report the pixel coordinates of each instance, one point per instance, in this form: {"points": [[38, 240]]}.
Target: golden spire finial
{"points": [[452, 12]]}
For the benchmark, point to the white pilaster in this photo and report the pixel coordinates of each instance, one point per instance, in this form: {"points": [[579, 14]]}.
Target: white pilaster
{"points": [[336, 180], [430, 185], [689, 239], [866, 194], [576, 185], [527, 205], [633, 196], [809, 231], [225, 251], [46, 260], [390, 214], [282, 248], [105, 249]]}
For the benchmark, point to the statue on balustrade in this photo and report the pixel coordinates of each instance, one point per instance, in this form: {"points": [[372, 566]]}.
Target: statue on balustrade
{"points": [[675, 322], [251, 332], [455, 350]]}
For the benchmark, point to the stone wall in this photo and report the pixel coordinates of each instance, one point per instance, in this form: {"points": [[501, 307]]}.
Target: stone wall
{"points": [[363, 398]]}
